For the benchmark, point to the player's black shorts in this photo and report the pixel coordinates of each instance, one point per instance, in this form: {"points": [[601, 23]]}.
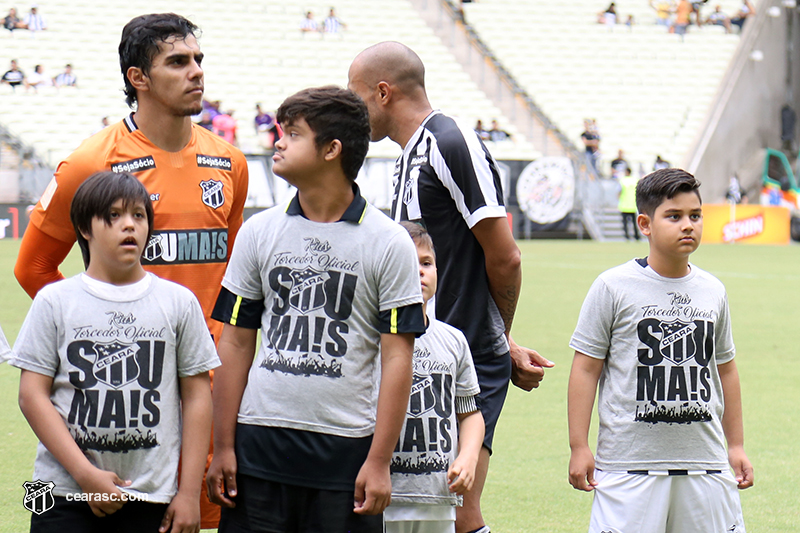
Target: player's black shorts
{"points": [[494, 373], [264, 506], [77, 517]]}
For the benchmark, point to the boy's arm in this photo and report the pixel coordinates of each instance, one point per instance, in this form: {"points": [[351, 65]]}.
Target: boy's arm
{"points": [[504, 270], [732, 424], [461, 474], [49, 427], [236, 349], [183, 513], [582, 388], [373, 484]]}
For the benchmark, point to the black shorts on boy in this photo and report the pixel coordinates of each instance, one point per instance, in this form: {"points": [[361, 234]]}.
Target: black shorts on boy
{"points": [[271, 507], [77, 517]]}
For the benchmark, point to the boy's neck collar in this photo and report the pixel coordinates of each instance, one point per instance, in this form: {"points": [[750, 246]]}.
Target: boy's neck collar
{"points": [[134, 276], [671, 271], [354, 212]]}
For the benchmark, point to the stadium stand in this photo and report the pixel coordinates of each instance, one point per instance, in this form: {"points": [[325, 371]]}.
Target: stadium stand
{"points": [[648, 90], [255, 52]]}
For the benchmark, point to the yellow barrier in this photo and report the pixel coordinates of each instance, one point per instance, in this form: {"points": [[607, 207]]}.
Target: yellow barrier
{"points": [[746, 223]]}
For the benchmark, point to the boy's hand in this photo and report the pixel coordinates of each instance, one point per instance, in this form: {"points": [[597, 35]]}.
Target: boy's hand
{"points": [[373, 488], [104, 482], [221, 478], [461, 474], [183, 514], [742, 468], [527, 366], [581, 469]]}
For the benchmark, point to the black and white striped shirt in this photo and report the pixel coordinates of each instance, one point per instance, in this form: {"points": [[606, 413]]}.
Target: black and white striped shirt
{"points": [[447, 180]]}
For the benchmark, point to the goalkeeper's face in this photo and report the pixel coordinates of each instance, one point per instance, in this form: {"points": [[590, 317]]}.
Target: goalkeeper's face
{"points": [[175, 79]]}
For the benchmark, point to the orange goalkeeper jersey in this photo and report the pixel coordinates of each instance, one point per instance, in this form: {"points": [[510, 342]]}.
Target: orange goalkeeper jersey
{"points": [[198, 198]]}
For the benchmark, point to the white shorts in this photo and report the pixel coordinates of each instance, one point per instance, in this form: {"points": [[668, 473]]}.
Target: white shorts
{"points": [[421, 526], [419, 518], [640, 503]]}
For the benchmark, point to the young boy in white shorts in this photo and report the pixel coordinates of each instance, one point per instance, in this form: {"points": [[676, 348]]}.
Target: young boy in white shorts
{"points": [[435, 459], [115, 379], [656, 334]]}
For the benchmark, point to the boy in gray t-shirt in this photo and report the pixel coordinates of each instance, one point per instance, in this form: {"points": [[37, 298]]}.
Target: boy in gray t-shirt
{"points": [[435, 460], [115, 380], [656, 334], [304, 430]]}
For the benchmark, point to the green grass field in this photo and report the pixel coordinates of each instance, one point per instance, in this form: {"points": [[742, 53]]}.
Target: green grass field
{"points": [[527, 489]]}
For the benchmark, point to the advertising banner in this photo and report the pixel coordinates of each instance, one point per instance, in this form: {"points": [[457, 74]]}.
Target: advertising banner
{"points": [[13, 220], [745, 223]]}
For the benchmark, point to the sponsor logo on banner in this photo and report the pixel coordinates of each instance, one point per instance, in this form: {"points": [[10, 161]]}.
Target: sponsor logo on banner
{"points": [[38, 496], [135, 165], [742, 229], [546, 189]]}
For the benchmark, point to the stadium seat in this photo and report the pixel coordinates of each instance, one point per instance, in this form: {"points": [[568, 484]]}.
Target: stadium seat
{"points": [[255, 52]]}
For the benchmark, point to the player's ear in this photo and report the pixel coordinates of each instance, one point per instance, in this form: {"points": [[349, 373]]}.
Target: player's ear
{"points": [[332, 150], [138, 78], [643, 221], [384, 92]]}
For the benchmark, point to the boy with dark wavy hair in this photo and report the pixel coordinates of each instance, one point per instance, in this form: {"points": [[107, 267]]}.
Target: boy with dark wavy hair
{"points": [[327, 278]]}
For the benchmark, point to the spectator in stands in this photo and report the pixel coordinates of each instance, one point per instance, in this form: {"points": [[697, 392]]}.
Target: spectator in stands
{"points": [[332, 23], [66, 78], [591, 143], [627, 202], [629, 22], [609, 16], [660, 163], [309, 24], [103, 125], [224, 125], [205, 121], [34, 21], [619, 165], [735, 194], [37, 79], [481, 131], [496, 134], [266, 128], [682, 14], [14, 76], [718, 18], [212, 107], [12, 22], [664, 11], [696, 7], [746, 11]]}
